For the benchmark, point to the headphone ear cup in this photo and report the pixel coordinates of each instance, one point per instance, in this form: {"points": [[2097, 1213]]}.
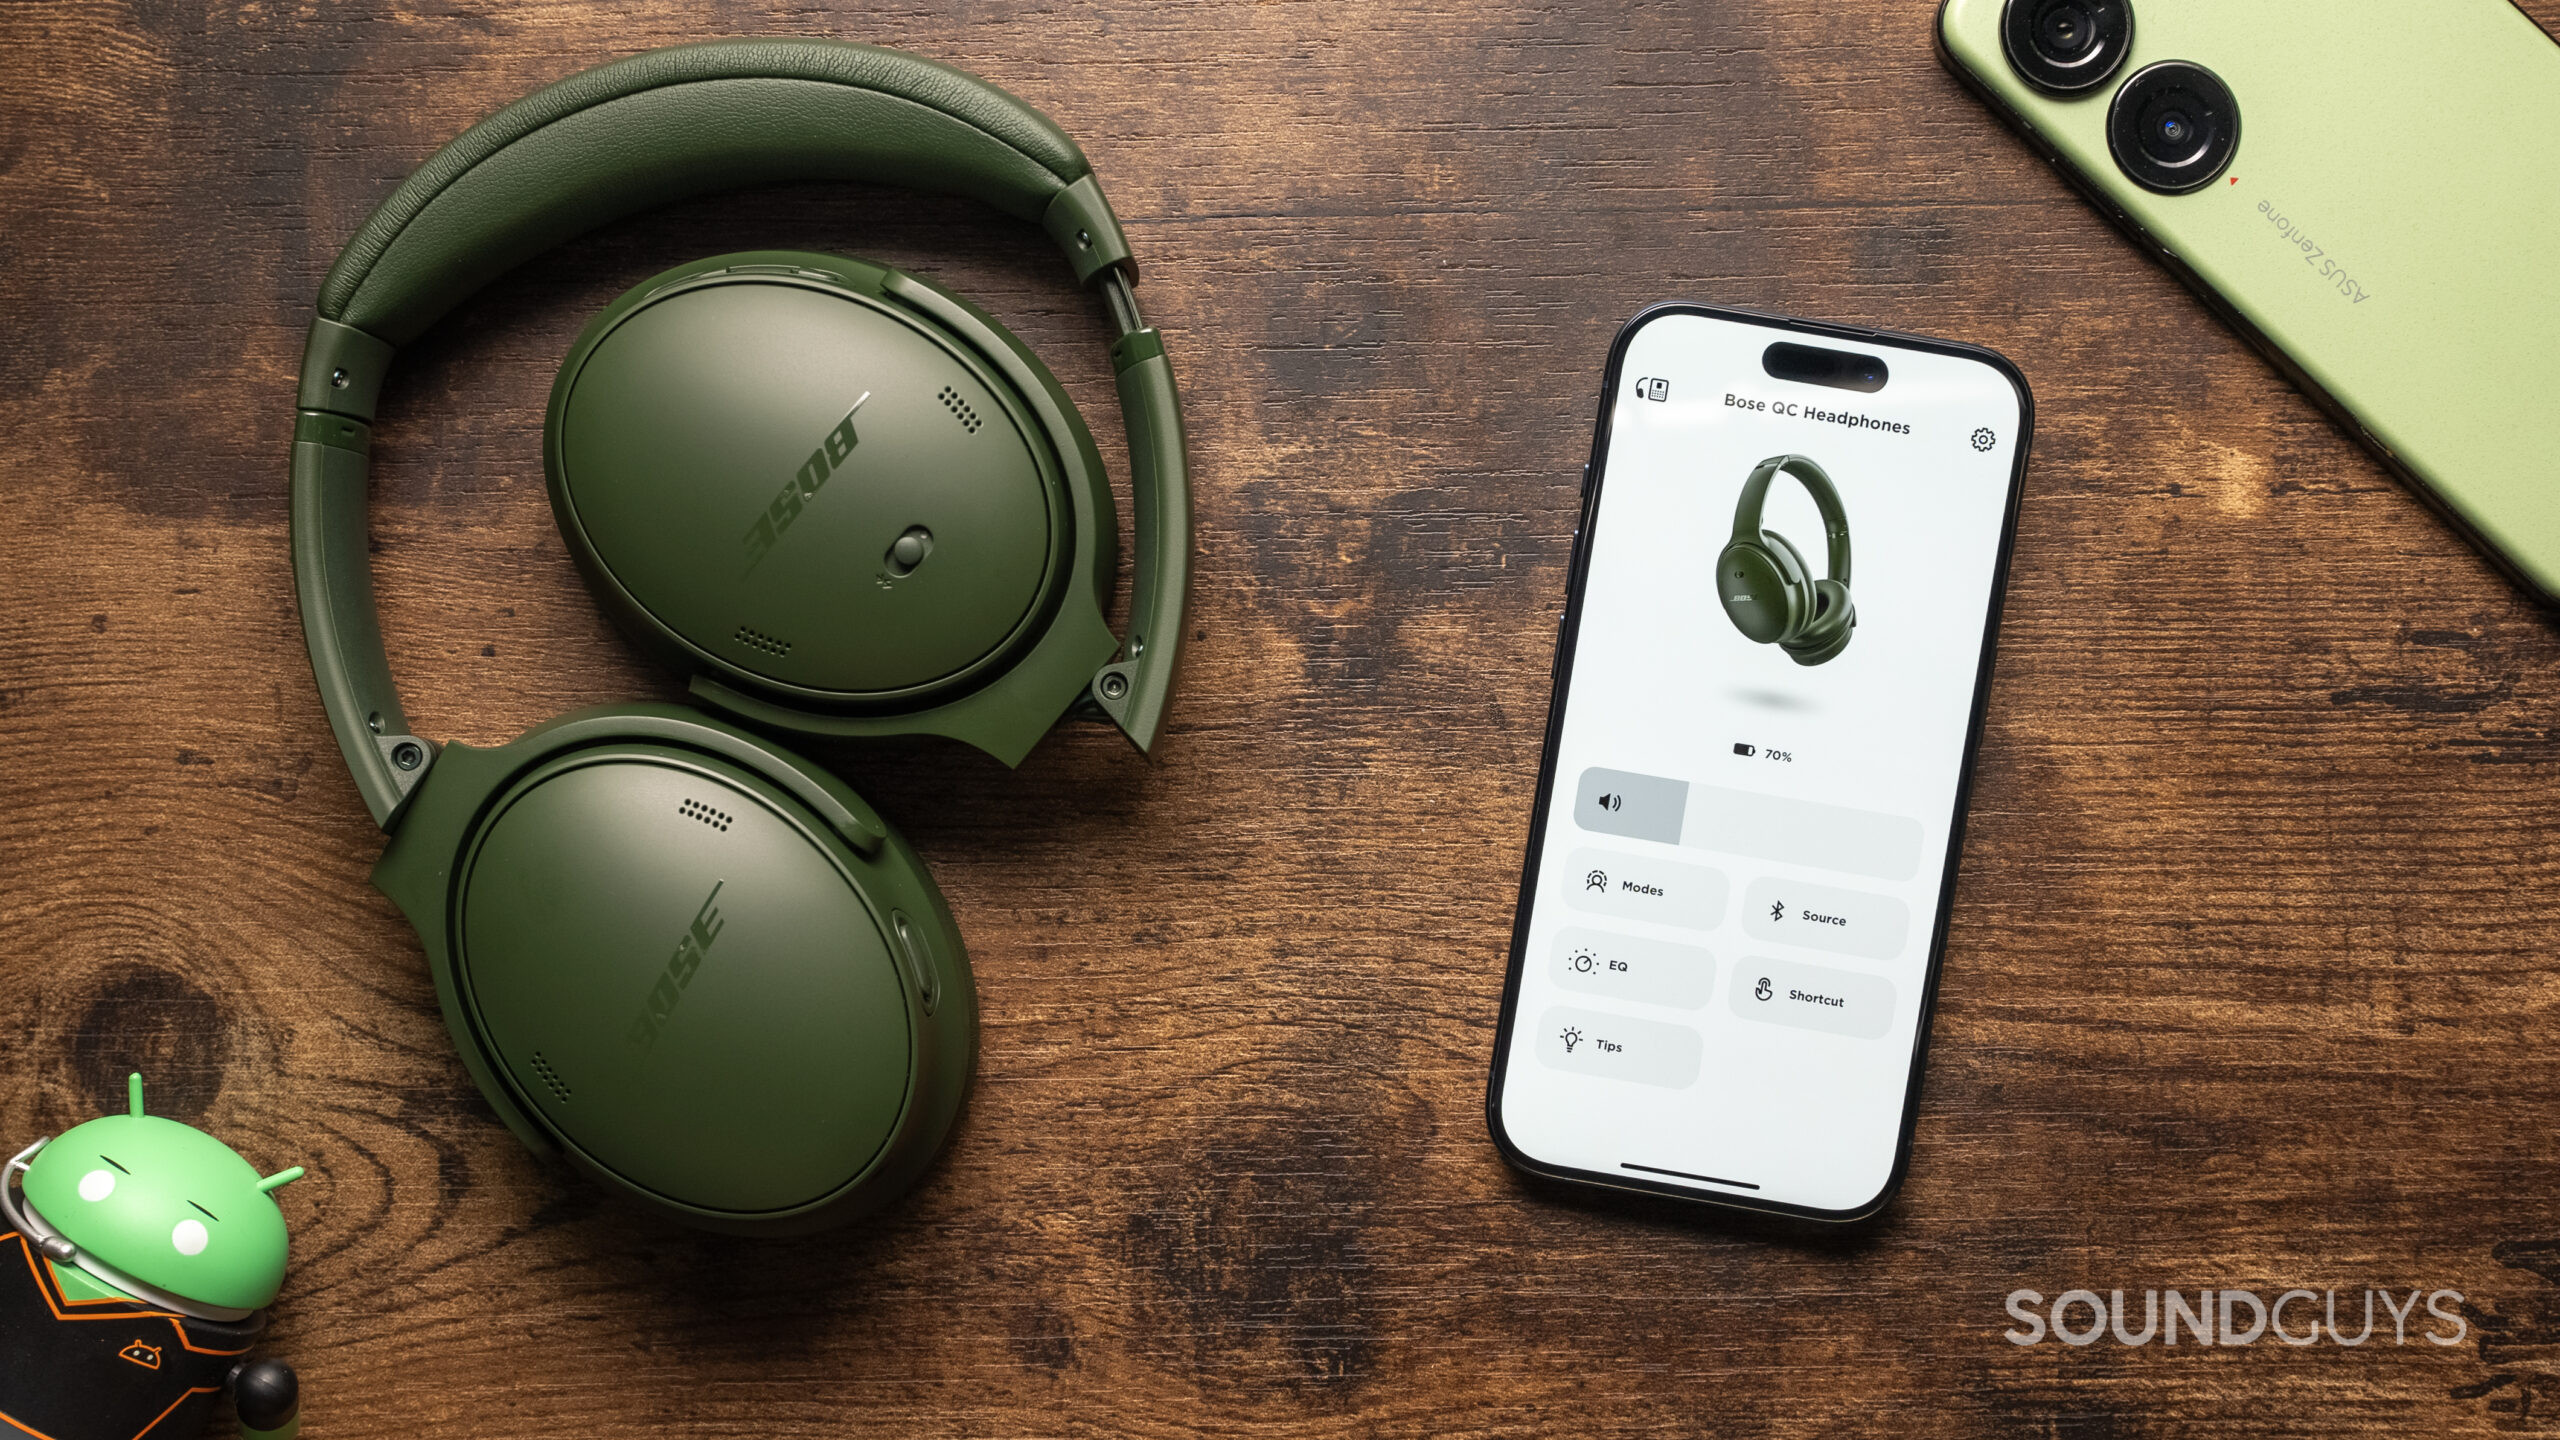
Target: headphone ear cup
{"points": [[880, 519], [663, 922], [1802, 573], [1800, 580], [1827, 633], [1762, 588]]}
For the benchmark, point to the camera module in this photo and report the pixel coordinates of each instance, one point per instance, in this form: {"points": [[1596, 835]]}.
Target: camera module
{"points": [[1813, 365], [2174, 127], [2066, 47]]}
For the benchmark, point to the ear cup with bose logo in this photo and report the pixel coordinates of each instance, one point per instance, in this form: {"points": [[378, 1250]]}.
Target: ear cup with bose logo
{"points": [[853, 512], [844, 503], [1763, 582], [693, 963], [1763, 588]]}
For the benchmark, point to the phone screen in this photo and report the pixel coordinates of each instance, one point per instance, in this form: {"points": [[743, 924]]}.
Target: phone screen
{"points": [[1767, 700]]}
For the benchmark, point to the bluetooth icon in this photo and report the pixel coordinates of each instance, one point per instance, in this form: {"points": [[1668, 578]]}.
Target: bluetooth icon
{"points": [[1778, 910]]}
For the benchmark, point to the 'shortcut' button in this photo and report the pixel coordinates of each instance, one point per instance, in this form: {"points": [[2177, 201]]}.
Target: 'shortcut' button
{"points": [[1812, 997]]}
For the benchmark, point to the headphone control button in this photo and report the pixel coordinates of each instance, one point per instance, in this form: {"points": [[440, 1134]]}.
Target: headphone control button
{"points": [[919, 962], [909, 550]]}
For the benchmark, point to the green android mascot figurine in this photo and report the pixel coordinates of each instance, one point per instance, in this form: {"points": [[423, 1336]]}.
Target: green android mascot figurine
{"points": [[143, 1256]]}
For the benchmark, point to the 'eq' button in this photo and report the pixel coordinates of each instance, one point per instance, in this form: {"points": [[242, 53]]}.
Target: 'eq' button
{"points": [[1653, 972]]}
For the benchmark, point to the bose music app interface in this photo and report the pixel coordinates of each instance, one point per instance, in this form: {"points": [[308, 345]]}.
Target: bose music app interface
{"points": [[1746, 832]]}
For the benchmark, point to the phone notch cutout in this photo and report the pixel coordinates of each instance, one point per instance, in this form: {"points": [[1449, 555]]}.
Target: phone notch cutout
{"points": [[1813, 365]]}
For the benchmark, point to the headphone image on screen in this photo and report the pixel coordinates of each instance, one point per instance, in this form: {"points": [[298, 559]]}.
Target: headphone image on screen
{"points": [[1767, 591], [845, 503]]}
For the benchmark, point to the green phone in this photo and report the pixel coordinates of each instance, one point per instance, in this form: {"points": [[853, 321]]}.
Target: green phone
{"points": [[2367, 189]]}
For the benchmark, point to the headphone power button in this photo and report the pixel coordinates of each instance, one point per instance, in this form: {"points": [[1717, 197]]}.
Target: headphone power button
{"points": [[918, 960]]}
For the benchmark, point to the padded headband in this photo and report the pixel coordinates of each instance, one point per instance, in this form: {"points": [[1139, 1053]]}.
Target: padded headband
{"points": [[1826, 498], [647, 131]]}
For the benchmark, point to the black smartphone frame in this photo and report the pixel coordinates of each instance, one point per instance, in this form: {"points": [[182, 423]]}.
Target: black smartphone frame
{"points": [[1578, 571]]}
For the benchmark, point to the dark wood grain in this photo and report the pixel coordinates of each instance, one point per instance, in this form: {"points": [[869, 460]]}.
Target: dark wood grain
{"points": [[2250, 981]]}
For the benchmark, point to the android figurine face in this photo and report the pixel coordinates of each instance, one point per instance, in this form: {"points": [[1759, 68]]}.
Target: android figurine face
{"points": [[166, 1204]]}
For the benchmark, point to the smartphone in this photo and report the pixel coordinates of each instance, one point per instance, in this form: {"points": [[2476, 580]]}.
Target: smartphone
{"points": [[2365, 189], [1769, 687]]}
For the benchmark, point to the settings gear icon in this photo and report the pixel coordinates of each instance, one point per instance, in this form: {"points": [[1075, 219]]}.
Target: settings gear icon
{"points": [[1983, 439]]}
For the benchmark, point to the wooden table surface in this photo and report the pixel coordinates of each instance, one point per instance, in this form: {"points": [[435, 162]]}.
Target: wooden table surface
{"points": [[2249, 981]]}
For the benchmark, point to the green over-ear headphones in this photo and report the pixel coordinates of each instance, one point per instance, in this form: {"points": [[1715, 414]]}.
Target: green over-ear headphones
{"points": [[846, 503], [1762, 579]]}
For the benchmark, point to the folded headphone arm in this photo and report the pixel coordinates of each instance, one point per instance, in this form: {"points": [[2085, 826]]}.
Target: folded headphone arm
{"points": [[665, 126]]}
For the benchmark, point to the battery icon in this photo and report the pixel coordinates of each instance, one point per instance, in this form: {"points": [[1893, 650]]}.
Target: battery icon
{"points": [[1739, 748]]}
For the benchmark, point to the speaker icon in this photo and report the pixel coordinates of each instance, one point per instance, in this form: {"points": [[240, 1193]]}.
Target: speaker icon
{"points": [[1612, 802]]}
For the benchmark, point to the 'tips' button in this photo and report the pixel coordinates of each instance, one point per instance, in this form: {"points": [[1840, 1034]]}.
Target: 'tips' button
{"points": [[1614, 1047]]}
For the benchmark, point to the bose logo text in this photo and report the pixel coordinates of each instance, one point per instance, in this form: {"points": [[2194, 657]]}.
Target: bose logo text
{"points": [[801, 488], [691, 950]]}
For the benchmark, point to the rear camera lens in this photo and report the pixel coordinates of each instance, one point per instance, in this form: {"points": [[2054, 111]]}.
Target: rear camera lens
{"points": [[2065, 30], [2174, 127], [2066, 47]]}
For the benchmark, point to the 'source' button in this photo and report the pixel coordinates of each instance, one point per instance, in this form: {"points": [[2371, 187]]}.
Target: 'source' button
{"points": [[1812, 997], [1845, 922], [1614, 1047]]}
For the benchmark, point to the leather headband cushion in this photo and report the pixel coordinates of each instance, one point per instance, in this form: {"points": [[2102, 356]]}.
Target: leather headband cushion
{"points": [[1747, 523], [672, 123]]}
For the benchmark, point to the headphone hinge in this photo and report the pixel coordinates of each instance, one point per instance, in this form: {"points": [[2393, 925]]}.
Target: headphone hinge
{"points": [[1135, 348], [339, 432], [1081, 223], [342, 370], [409, 758]]}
